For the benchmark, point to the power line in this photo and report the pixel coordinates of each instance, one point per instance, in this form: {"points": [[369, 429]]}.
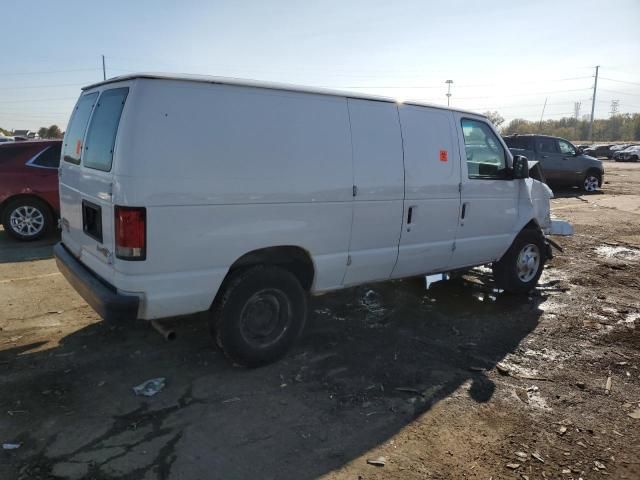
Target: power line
{"points": [[620, 81], [47, 86], [621, 93], [39, 100], [530, 94], [51, 71]]}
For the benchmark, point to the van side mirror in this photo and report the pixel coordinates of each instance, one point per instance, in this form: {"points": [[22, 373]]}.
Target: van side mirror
{"points": [[520, 167]]}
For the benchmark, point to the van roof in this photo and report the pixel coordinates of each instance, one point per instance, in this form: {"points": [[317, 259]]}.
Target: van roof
{"points": [[270, 85]]}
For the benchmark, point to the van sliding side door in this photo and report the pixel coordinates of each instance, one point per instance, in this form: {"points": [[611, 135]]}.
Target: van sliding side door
{"points": [[432, 198]]}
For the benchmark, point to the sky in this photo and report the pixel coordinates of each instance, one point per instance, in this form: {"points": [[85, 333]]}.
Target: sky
{"points": [[507, 56]]}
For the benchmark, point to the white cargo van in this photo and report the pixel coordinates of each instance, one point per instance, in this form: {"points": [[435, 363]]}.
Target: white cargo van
{"points": [[184, 194]]}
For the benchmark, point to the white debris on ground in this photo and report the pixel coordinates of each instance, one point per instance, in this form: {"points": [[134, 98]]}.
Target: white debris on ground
{"points": [[618, 251], [373, 306]]}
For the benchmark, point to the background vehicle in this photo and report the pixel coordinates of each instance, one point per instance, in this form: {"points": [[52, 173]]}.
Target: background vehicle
{"points": [[563, 164], [629, 154], [4, 139], [598, 151], [283, 191], [29, 202]]}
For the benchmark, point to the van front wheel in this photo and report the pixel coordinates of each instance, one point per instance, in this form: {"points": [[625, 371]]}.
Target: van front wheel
{"points": [[260, 314], [520, 268]]}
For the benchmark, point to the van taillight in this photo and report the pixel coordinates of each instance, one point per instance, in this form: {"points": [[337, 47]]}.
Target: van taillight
{"points": [[131, 233]]}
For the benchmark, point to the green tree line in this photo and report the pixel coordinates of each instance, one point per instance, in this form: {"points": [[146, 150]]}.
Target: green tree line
{"points": [[617, 128], [52, 132], [44, 132]]}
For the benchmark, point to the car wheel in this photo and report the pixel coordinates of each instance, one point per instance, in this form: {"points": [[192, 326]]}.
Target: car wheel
{"points": [[27, 218], [520, 268], [259, 315], [591, 182]]}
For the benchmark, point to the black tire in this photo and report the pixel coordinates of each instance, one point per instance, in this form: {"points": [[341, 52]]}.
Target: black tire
{"points": [[506, 271], [239, 324], [40, 215], [591, 181]]}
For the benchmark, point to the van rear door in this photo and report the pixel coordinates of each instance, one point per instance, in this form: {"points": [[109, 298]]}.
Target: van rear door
{"points": [[86, 178]]}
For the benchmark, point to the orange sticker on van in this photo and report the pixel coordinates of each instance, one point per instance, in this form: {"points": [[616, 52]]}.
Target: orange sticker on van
{"points": [[444, 156], [79, 147]]}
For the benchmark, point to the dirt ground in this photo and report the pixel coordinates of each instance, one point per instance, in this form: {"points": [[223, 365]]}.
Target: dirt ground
{"points": [[457, 381]]}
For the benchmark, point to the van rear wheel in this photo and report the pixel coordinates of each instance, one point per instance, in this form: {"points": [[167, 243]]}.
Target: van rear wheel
{"points": [[519, 270], [261, 313]]}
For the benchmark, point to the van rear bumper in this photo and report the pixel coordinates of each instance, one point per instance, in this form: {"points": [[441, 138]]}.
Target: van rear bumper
{"points": [[103, 297]]}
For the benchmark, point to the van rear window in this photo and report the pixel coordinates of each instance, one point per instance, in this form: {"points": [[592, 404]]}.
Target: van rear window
{"points": [[101, 136], [77, 126]]}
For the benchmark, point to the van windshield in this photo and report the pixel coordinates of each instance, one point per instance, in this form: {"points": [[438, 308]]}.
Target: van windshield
{"points": [[77, 126], [101, 136]]}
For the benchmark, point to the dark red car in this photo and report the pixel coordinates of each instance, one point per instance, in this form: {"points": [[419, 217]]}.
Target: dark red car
{"points": [[29, 202]]}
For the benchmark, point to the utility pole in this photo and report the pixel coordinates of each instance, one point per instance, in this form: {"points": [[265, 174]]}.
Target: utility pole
{"points": [[576, 110], [542, 114], [593, 104], [104, 71], [448, 82]]}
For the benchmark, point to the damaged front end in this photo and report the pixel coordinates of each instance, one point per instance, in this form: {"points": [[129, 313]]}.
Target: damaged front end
{"points": [[538, 197]]}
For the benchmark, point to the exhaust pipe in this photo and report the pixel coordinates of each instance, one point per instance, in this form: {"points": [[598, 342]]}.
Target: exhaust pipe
{"points": [[167, 333]]}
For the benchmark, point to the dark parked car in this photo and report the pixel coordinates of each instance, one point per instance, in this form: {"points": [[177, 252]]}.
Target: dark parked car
{"points": [[29, 203], [599, 151], [563, 164]]}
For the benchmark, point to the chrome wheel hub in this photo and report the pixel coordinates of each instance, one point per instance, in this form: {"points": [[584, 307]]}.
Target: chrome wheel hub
{"points": [[528, 262], [591, 183], [27, 221]]}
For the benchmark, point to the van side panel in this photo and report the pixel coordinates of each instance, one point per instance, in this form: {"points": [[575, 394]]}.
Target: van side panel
{"points": [[224, 170], [432, 174], [379, 178]]}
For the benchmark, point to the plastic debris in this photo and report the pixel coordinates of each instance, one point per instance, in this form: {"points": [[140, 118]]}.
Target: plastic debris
{"points": [[11, 446], [522, 455], [635, 414], [607, 387], [150, 387], [377, 462], [538, 457], [513, 466]]}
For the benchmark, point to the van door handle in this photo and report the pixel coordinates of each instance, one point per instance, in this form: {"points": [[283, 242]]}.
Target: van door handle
{"points": [[464, 211], [410, 216], [545, 156]]}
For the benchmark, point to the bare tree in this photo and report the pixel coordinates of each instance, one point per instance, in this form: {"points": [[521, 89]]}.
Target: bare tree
{"points": [[495, 118]]}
